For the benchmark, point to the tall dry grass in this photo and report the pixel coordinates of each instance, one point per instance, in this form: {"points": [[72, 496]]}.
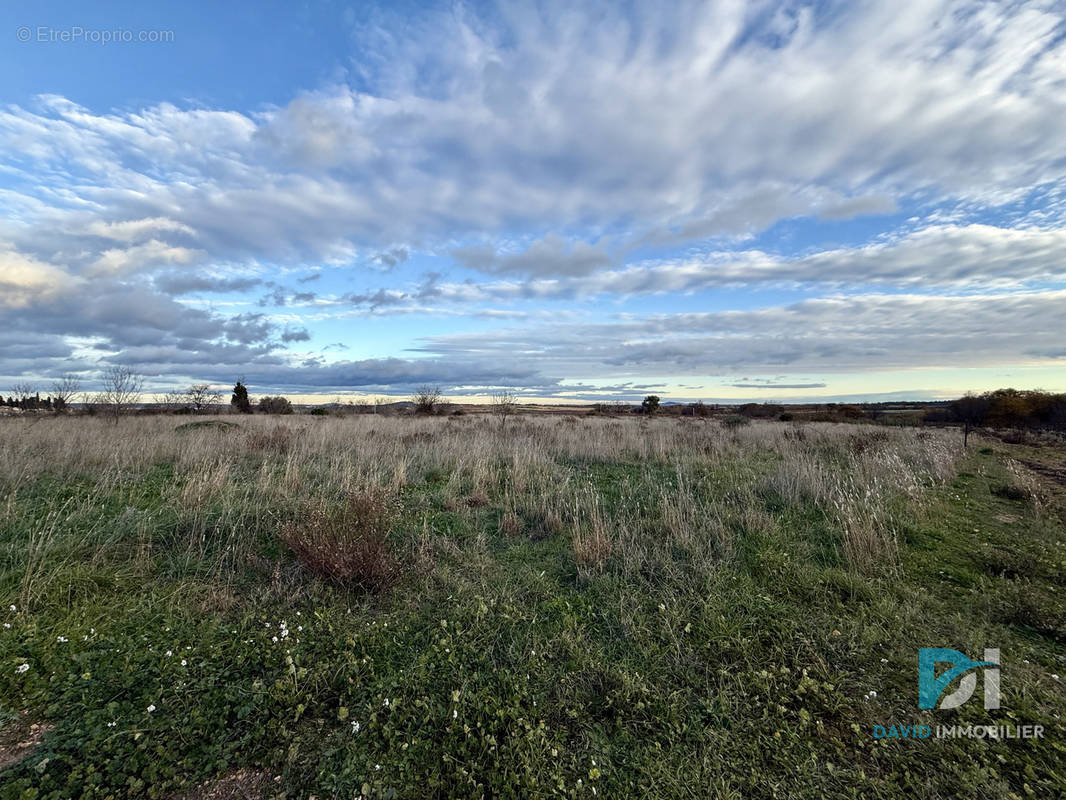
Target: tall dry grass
{"points": [[647, 497]]}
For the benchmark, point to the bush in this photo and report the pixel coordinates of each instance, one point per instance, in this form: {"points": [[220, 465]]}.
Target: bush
{"points": [[427, 399], [700, 409], [275, 405], [348, 546]]}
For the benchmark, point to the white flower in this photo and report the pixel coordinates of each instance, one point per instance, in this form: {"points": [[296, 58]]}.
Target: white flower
{"points": [[355, 727], [170, 653], [112, 724], [22, 668], [12, 608], [377, 766], [184, 662], [7, 625], [274, 639], [873, 693], [455, 714], [151, 708], [61, 638], [386, 702], [1054, 677]]}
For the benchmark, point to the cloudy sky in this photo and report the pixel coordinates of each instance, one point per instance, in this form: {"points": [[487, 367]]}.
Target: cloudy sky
{"points": [[729, 199]]}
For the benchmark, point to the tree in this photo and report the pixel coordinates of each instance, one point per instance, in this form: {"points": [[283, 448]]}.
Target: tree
{"points": [[240, 399], [650, 404], [122, 388], [24, 393], [971, 411], [275, 405], [201, 397], [426, 399], [504, 404], [64, 392]]}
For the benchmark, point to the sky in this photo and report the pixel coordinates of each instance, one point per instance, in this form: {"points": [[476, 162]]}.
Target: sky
{"points": [[728, 200]]}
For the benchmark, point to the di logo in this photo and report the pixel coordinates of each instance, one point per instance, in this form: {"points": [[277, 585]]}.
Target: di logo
{"points": [[936, 691]]}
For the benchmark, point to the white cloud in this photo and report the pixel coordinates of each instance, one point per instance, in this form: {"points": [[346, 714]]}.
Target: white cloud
{"points": [[540, 145], [25, 280], [824, 335], [684, 120]]}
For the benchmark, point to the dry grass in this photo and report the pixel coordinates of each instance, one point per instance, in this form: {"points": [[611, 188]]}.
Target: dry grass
{"points": [[692, 484], [349, 544]]}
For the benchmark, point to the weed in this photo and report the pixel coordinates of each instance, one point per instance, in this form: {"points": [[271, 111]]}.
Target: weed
{"points": [[348, 545]]}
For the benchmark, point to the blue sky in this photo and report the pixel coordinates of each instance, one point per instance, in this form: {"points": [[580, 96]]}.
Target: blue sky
{"points": [[716, 200]]}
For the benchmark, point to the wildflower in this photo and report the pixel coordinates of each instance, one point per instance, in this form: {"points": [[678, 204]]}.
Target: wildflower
{"points": [[884, 660], [7, 625], [61, 639], [274, 639], [151, 708], [22, 668], [455, 714], [355, 727], [377, 766], [184, 662], [12, 608], [170, 653], [386, 702], [112, 724]]}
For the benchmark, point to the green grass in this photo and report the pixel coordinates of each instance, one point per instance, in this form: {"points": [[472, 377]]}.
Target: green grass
{"points": [[495, 669]]}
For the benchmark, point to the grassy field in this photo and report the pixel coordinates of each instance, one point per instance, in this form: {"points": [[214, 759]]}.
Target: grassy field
{"points": [[562, 607]]}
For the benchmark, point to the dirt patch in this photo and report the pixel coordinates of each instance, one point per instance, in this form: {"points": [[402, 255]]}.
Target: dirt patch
{"points": [[20, 738], [243, 784]]}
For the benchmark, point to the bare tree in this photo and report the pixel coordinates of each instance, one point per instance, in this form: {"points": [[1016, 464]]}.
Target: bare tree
{"points": [[380, 404], [65, 391], [504, 404], [122, 388], [427, 399], [202, 397], [170, 401], [23, 391]]}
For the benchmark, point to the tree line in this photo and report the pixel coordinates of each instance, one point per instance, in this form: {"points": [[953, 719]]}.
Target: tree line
{"points": [[1004, 408]]}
